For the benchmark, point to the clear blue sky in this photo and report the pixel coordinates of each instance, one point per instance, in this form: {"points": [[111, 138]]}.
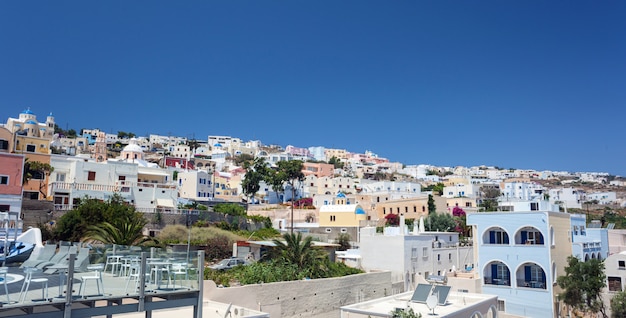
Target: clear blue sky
{"points": [[516, 84]]}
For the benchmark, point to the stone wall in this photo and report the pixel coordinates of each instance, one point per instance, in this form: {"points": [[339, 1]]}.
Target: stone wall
{"points": [[36, 212], [307, 298]]}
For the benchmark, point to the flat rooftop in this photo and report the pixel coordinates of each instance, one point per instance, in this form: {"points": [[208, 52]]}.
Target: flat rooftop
{"points": [[459, 304]]}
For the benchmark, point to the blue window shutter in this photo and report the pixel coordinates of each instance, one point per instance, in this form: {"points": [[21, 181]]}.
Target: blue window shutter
{"points": [[527, 273], [492, 237], [524, 237], [543, 277], [494, 271]]}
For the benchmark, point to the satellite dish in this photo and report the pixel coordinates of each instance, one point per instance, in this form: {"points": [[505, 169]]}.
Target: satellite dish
{"points": [[432, 301]]}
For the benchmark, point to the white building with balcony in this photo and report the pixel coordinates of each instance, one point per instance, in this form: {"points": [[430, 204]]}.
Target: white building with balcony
{"points": [[140, 183], [522, 190], [520, 255]]}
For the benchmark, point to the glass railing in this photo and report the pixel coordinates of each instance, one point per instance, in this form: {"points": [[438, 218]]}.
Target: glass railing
{"points": [[98, 272]]}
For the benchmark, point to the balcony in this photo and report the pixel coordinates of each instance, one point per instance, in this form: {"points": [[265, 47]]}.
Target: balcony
{"points": [[531, 284]]}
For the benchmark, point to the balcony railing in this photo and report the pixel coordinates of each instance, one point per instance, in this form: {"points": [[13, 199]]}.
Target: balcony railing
{"points": [[500, 281], [120, 186], [531, 284]]}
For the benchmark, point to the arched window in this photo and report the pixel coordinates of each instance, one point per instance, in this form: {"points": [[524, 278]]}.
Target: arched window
{"points": [[529, 236], [496, 235], [497, 273], [531, 275]]}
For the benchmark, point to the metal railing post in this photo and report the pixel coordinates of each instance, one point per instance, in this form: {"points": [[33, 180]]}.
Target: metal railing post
{"points": [[198, 307], [142, 281], [69, 283]]}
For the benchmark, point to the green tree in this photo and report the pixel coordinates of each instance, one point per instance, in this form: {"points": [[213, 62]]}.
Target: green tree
{"points": [[442, 222], [73, 224], [298, 251], [124, 231], [230, 209], [431, 205], [291, 171], [276, 180], [37, 170], [618, 305], [343, 239], [336, 162], [582, 285], [489, 198], [255, 173], [438, 188], [193, 145]]}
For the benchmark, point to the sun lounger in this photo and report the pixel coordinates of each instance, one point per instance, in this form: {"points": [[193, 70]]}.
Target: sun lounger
{"points": [[59, 257], [44, 256]]}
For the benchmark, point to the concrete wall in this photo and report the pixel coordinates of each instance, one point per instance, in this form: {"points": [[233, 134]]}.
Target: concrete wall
{"points": [[307, 298]]}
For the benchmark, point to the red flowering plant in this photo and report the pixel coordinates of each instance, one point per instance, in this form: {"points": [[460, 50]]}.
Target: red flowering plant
{"points": [[392, 220], [460, 219], [304, 203]]}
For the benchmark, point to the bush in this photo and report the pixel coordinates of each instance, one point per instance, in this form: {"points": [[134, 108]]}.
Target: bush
{"points": [[174, 234]]}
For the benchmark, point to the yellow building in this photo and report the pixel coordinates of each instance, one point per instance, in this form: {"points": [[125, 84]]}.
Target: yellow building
{"points": [[341, 214]]}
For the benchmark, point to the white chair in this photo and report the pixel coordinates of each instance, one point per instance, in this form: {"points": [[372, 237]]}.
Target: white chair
{"points": [[3, 280], [134, 273], [115, 262], [180, 269], [96, 276], [28, 279], [159, 268]]}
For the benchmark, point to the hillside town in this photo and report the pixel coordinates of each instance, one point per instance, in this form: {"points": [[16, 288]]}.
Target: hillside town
{"points": [[520, 226]]}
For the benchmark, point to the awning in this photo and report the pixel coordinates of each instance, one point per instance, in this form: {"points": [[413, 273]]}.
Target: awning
{"points": [[168, 203]]}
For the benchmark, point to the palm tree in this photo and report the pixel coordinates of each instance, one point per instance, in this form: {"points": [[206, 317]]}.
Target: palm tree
{"points": [[298, 251], [127, 231]]}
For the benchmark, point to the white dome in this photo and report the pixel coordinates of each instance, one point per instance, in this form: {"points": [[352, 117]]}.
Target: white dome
{"points": [[133, 146]]}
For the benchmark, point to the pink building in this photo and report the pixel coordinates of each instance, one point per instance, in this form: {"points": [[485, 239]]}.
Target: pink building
{"points": [[11, 172], [318, 169]]}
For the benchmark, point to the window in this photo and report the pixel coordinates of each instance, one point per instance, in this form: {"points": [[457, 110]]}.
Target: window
{"points": [[406, 209], [31, 195], [60, 177], [30, 148], [450, 256], [498, 237], [468, 204], [534, 206], [414, 209], [333, 218], [615, 284], [4, 180], [91, 175], [438, 257], [425, 252], [4, 144], [414, 252], [621, 264]]}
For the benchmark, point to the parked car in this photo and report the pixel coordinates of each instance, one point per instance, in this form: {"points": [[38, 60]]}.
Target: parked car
{"points": [[229, 263]]}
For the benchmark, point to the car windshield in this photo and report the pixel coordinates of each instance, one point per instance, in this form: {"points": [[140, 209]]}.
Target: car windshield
{"points": [[223, 262]]}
